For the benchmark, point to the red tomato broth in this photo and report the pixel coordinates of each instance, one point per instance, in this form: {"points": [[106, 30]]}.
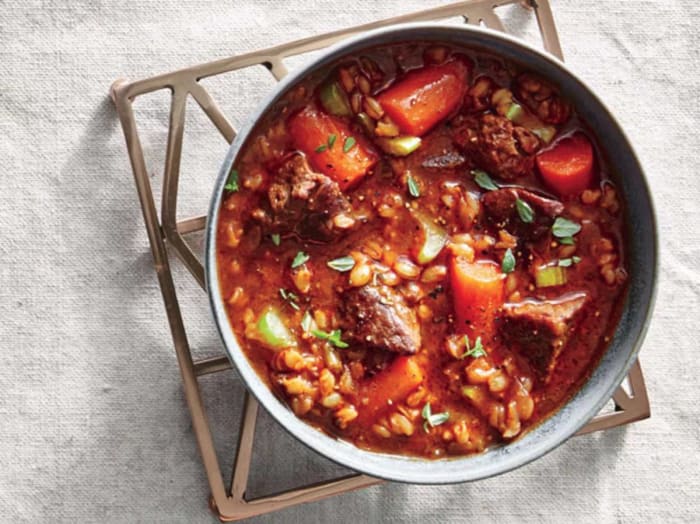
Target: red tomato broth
{"points": [[253, 267]]}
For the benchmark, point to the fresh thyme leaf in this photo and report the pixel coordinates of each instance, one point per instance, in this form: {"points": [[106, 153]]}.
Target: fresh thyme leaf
{"points": [[439, 418], [299, 259], [426, 411], [232, 182], [476, 351], [413, 188], [508, 262], [290, 298], [525, 212], [336, 339], [348, 144], [341, 264], [275, 239], [321, 148], [565, 262], [433, 419], [483, 180], [333, 337], [331, 140], [569, 241], [563, 228]]}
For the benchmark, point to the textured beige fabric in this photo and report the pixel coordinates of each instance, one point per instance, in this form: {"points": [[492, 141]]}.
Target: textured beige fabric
{"points": [[93, 425]]}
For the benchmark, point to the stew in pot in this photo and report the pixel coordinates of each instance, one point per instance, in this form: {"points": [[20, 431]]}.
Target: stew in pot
{"points": [[421, 251]]}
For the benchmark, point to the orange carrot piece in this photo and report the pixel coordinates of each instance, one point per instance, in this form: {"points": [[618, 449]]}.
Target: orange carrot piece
{"points": [[390, 386], [346, 158], [567, 167], [425, 96], [477, 291]]}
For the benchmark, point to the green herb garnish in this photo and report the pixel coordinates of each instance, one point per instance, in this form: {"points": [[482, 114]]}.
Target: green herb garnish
{"points": [[475, 351], [413, 188], [348, 144], [508, 262], [321, 148], [341, 264], [566, 262], [433, 419], [232, 182], [568, 241], [299, 259], [525, 212], [276, 239], [290, 298], [331, 140], [483, 180], [563, 228], [332, 337]]}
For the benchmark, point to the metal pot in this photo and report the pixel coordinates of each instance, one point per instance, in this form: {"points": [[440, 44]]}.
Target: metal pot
{"points": [[622, 351]]}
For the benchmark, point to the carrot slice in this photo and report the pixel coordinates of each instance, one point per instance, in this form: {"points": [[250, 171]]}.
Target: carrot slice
{"points": [[330, 145], [425, 96], [567, 167], [390, 386], [477, 291]]}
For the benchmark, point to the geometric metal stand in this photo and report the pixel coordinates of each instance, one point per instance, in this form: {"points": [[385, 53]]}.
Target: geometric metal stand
{"points": [[167, 236]]}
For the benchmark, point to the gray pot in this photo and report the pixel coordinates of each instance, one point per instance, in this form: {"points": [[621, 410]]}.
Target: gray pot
{"points": [[642, 259]]}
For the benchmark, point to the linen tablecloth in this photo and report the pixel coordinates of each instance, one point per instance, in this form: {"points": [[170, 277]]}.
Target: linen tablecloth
{"points": [[93, 424]]}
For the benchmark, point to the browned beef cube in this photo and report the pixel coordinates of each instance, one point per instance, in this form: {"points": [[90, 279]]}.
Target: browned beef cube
{"points": [[497, 146], [305, 202], [500, 207], [379, 317], [541, 328]]}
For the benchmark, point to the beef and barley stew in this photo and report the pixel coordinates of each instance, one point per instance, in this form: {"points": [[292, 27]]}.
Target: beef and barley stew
{"points": [[420, 250]]}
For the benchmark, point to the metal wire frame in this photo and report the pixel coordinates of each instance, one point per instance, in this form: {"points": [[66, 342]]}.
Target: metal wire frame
{"points": [[167, 235]]}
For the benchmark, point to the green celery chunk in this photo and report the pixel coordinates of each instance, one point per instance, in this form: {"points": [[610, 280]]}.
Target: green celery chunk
{"points": [[334, 100], [435, 238], [550, 276], [399, 146], [546, 134], [273, 332], [514, 113]]}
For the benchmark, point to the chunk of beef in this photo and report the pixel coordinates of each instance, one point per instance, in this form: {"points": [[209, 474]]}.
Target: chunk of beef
{"points": [[497, 146], [305, 202], [500, 204], [541, 328], [542, 98], [379, 317], [500, 211]]}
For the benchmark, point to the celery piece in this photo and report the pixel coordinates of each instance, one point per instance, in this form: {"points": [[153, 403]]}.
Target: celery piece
{"points": [[334, 100], [434, 238], [399, 146], [272, 331], [550, 276], [546, 134]]}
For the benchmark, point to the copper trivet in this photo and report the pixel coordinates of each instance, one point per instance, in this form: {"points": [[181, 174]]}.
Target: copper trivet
{"points": [[231, 504]]}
